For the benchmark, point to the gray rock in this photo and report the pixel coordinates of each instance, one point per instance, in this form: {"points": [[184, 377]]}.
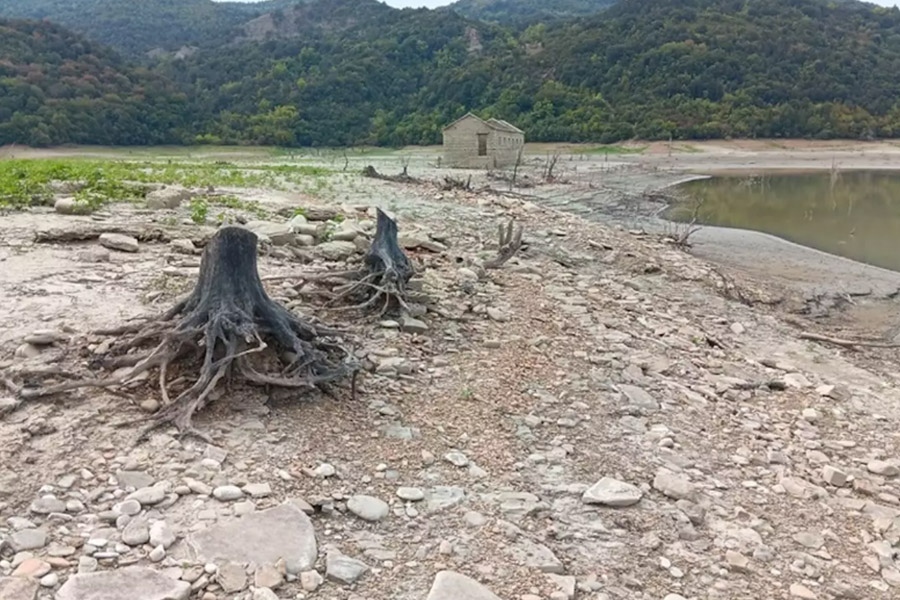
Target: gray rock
{"points": [[258, 490], [134, 479], [310, 580], [47, 505], [834, 476], [148, 496], [263, 594], [884, 468], [129, 583], [419, 239], [117, 241], [183, 246], [449, 585], [810, 539], [674, 485], [457, 458], [28, 539], [411, 494], [368, 508], [17, 588], [169, 197], [267, 576], [136, 533], [232, 577], [343, 569], [280, 234], [87, 564], [320, 213], [70, 206], [157, 554], [161, 534], [226, 493], [335, 250], [261, 537], [49, 580], [639, 399], [533, 555], [129, 507], [612, 492], [411, 325], [442, 497]]}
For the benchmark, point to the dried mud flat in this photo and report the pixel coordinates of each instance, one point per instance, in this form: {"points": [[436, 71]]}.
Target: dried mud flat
{"points": [[601, 418]]}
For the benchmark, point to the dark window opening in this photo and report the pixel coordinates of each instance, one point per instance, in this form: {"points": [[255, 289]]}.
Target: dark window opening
{"points": [[482, 144]]}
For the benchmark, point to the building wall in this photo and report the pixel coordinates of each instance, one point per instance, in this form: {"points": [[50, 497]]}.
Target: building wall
{"points": [[461, 146]]}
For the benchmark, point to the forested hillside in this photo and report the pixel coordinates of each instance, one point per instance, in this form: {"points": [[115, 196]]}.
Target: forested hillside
{"points": [[139, 26], [335, 72], [57, 88], [525, 12]]}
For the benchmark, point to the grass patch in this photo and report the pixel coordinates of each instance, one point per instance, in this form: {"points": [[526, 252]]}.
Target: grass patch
{"points": [[25, 183], [612, 149]]}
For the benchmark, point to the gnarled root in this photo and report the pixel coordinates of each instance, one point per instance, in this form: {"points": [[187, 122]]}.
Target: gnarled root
{"points": [[224, 328], [510, 241]]}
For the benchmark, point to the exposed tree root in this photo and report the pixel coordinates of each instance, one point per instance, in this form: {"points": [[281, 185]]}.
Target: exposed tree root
{"points": [[222, 329], [403, 177], [815, 337], [381, 285], [510, 241]]}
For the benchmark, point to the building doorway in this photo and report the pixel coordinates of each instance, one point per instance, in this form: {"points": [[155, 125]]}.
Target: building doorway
{"points": [[482, 144]]}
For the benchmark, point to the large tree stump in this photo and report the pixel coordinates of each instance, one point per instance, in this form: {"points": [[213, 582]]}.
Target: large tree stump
{"points": [[382, 283], [222, 329]]}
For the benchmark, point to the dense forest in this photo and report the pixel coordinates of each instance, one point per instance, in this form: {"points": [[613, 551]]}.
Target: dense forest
{"points": [[519, 13], [56, 87], [340, 72]]}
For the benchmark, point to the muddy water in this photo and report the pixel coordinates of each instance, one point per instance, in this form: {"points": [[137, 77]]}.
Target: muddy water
{"points": [[855, 214]]}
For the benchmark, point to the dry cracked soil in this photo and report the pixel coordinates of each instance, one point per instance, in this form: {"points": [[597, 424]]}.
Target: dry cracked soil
{"points": [[602, 418]]}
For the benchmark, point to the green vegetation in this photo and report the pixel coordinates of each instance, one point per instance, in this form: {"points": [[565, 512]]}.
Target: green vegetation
{"points": [[199, 210], [357, 72], [29, 182], [524, 12], [613, 150]]}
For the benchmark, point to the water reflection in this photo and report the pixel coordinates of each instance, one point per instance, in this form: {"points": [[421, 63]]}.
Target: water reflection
{"points": [[853, 213]]}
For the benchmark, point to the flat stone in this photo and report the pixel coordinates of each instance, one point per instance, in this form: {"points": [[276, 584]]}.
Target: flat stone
{"points": [[320, 213], [169, 197], [32, 568], [136, 533], [310, 580], [232, 577], [411, 325], [129, 507], [343, 569], [449, 585], [674, 485], [17, 588], [368, 508], [798, 590], [226, 493], [810, 539], [70, 206], [117, 241], [134, 479], [456, 458], [268, 576], [28, 539], [263, 594], [638, 398], [261, 537], [612, 492], [538, 556], [442, 497], [279, 234], [47, 505], [148, 496], [258, 490], [335, 250], [411, 494], [129, 583], [884, 468]]}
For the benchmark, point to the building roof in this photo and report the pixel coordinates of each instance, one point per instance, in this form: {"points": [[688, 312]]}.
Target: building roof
{"points": [[495, 124]]}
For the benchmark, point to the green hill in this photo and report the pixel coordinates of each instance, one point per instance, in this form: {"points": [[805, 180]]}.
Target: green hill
{"points": [[526, 12], [58, 88]]}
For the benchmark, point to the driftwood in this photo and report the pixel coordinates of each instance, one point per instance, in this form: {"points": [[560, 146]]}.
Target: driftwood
{"points": [[815, 337], [148, 233], [402, 177], [227, 327], [510, 241], [381, 284]]}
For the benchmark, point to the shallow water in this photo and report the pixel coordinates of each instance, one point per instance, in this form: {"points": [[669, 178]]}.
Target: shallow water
{"points": [[855, 214]]}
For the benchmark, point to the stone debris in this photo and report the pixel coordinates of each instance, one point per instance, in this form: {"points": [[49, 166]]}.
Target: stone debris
{"points": [[133, 583], [343, 569], [117, 241], [612, 492], [368, 508], [263, 538], [449, 585], [674, 485]]}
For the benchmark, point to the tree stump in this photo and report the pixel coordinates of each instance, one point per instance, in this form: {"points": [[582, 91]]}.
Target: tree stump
{"points": [[223, 328]]}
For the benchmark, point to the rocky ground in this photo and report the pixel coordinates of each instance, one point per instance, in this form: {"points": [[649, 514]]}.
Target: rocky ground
{"points": [[603, 418]]}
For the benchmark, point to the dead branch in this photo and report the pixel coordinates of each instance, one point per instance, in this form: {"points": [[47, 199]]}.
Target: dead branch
{"points": [[510, 241], [815, 337], [403, 177], [227, 326], [454, 183]]}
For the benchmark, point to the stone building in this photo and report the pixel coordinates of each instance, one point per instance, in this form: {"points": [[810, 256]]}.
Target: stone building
{"points": [[473, 143]]}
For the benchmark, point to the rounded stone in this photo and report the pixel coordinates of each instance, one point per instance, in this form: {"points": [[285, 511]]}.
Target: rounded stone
{"points": [[368, 508]]}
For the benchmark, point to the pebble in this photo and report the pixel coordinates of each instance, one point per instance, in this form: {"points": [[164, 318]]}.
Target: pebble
{"points": [[117, 241], [798, 590], [148, 496], [343, 569], [258, 490], [136, 533], [47, 505], [368, 508], [612, 492], [49, 580], [157, 554], [674, 485], [834, 476], [411, 494], [226, 493], [310, 580], [884, 468], [129, 507], [28, 539], [325, 470], [457, 458], [161, 534]]}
